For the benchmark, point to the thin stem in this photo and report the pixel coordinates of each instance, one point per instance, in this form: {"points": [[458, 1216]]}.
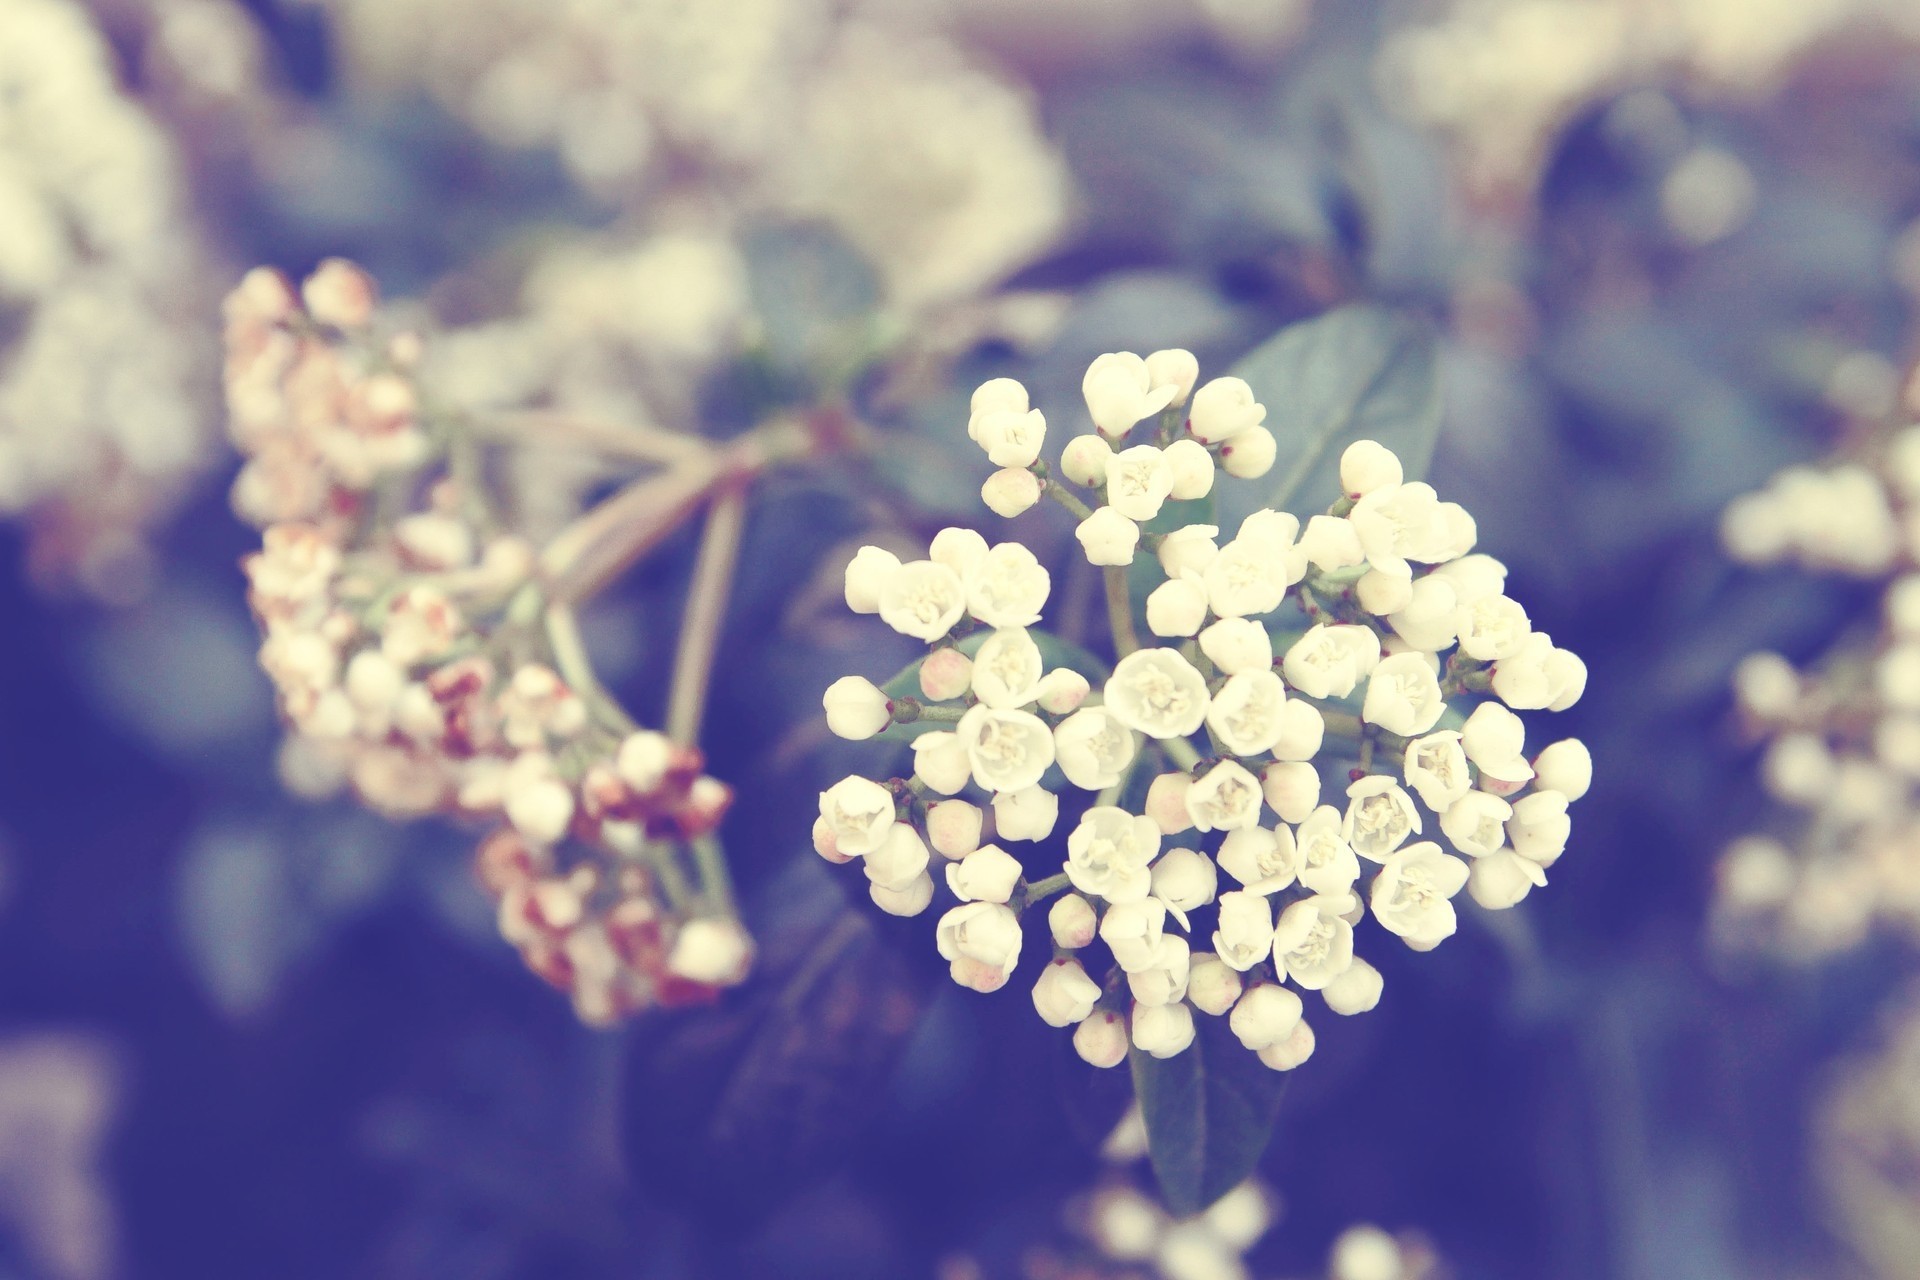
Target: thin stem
{"points": [[714, 880], [1180, 751], [1120, 611], [637, 441], [705, 610], [1059, 494], [571, 660], [598, 547], [1040, 890], [946, 715]]}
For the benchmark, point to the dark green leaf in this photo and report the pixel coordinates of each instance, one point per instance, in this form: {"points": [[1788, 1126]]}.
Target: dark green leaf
{"points": [[1361, 372], [815, 296], [1209, 1111]]}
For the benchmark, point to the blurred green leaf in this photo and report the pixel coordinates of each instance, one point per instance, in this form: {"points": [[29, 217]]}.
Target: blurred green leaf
{"points": [[816, 298], [1210, 1113]]}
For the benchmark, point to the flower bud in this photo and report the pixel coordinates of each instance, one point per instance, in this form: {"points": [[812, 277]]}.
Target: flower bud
{"points": [[988, 874], [1167, 802], [1072, 923], [1173, 368], [900, 859], [995, 395], [1084, 460], [1368, 465], [1235, 645], [1132, 931], [1184, 879], [716, 952], [867, 575], [1289, 1053], [1292, 789], [953, 827], [908, 900], [1265, 1015], [1010, 491], [1766, 686], [1025, 815], [860, 813], [1381, 593], [1064, 994], [1101, 1039], [1331, 542], [945, 674], [1357, 990], [1062, 690], [826, 845], [1224, 409], [340, 293], [1212, 985], [1165, 980], [1119, 393], [1011, 437], [1162, 1030], [1302, 728], [1188, 549], [1503, 880], [940, 760], [1566, 767], [1367, 1253], [1177, 607], [1191, 467], [1108, 537], [1249, 455], [539, 806], [856, 708]]}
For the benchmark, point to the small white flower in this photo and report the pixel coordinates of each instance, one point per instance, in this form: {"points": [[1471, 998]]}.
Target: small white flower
{"points": [[1329, 661], [1185, 880], [1101, 1039], [1328, 864], [1132, 931], [1071, 922], [1491, 627], [1385, 591], [1064, 994], [1008, 587], [953, 827], [1566, 767], [1108, 538], [1084, 460], [1119, 392], [1504, 879], [1011, 438], [961, 550], [981, 943], [922, 599], [910, 900], [1243, 936], [1292, 789], [1262, 861], [994, 396], [1157, 692], [538, 804], [1062, 690], [1010, 491], [1223, 409], [1412, 894], [1188, 549], [1539, 676], [941, 761], [1476, 823], [1027, 814], [945, 674], [1237, 644], [1495, 740], [1292, 1052], [1540, 827], [1247, 714], [1380, 816], [856, 708], [1165, 979], [1436, 768], [859, 813], [1474, 578], [1178, 606], [1331, 543], [1212, 984], [1162, 1030], [1007, 669], [1225, 799], [1093, 749], [714, 952], [1249, 455], [1302, 728], [1368, 465], [1357, 990], [644, 759], [1174, 368], [1266, 1015], [1426, 622], [1250, 577], [1138, 482], [1009, 750], [900, 860], [1167, 802], [1109, 853], [1403, 522], [1191, 468], [1313, 941], [988, 874], [1403, 696]]}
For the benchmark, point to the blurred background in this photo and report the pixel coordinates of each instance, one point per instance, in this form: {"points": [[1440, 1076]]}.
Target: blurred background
{"points": [[1671, 246]]}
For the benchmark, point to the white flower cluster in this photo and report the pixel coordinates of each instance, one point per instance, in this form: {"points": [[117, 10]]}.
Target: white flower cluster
{"points": [[103, 416], [1842, 738], [397, 637], [1301, 654]]}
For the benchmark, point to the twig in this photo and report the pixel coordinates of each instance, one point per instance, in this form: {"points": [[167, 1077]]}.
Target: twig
{"points": [[1120, 611], [705, 611]]}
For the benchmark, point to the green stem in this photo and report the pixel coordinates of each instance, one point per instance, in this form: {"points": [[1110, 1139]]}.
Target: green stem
{"points": [[705, 611], [1120, 611], [715, 882], [1041, 890], [1180, 752], [1059, 494]]}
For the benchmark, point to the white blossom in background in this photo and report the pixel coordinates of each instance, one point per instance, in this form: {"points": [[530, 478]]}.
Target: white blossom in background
{"points": [[1310, 747], [1838, 740]]}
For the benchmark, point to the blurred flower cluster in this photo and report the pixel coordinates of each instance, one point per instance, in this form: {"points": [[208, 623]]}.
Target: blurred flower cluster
{"points": [[1866, 1142]]}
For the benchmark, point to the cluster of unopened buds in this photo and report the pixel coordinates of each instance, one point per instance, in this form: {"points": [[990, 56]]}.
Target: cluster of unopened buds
{"points": [[1344, 652], [418, 658], [1841, 738]]}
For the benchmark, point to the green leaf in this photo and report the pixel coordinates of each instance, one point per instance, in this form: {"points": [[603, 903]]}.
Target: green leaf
{"points": [[1210, 1113], [1360, 372]]}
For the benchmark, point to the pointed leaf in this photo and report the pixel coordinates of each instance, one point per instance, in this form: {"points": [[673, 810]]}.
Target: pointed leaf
{"points": [[1210, 1113]]}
